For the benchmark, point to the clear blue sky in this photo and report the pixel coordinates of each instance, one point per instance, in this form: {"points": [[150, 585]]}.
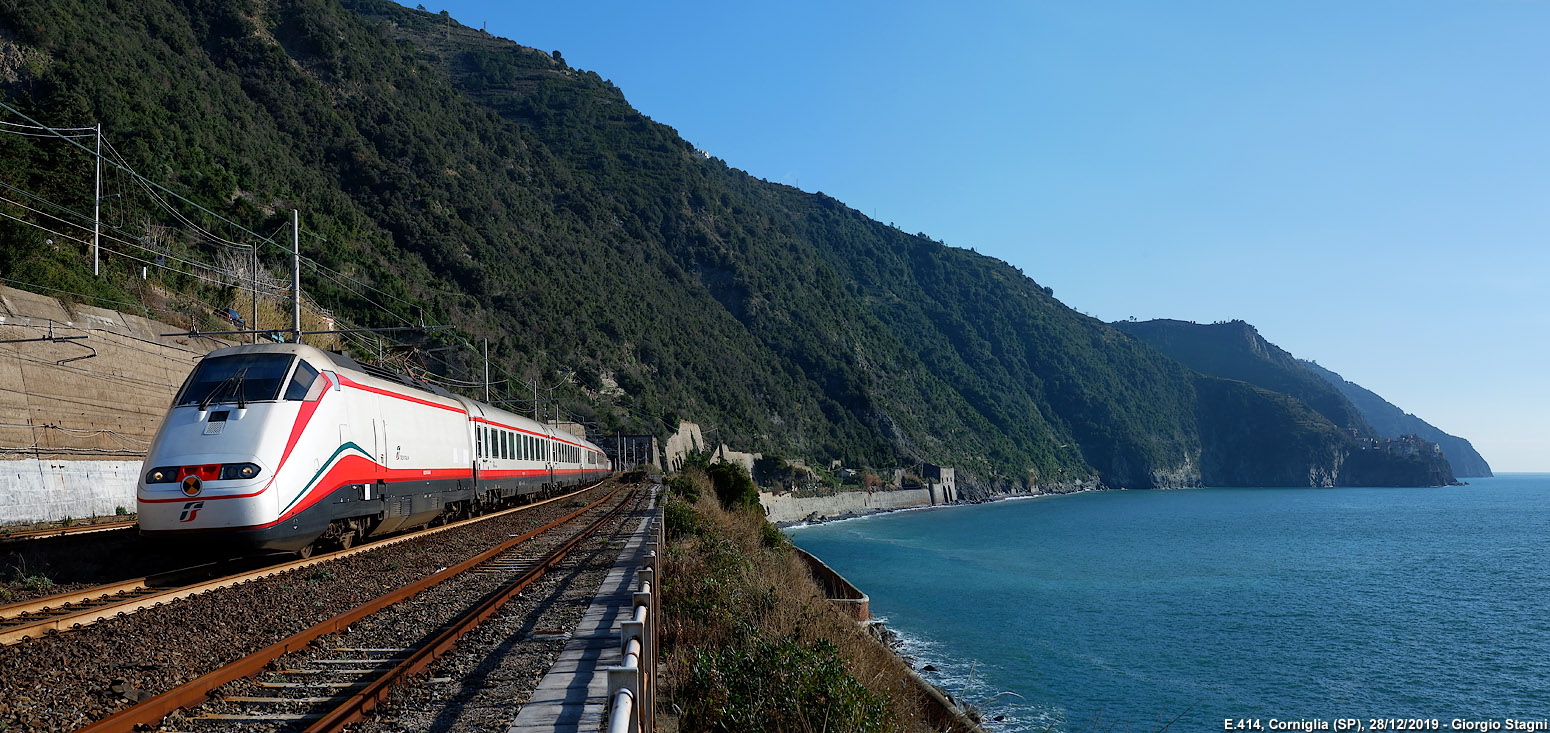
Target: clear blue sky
{"points": [[1367, 183]]}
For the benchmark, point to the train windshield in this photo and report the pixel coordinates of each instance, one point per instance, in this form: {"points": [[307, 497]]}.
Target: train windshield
{"points": [[237, 378]]}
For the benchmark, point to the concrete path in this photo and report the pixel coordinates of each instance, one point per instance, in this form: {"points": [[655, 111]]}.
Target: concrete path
{"points": [[573, 693]]}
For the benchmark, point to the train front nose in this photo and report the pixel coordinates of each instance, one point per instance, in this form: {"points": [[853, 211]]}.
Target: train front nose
{"points": [[208, 469]]}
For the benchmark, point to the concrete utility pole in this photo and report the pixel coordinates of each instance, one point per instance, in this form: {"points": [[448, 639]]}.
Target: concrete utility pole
{"points": [[254, 324], [296, 274], [96, 206], [486, 370]]}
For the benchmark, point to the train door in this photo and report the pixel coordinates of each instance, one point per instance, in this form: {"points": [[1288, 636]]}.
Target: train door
{"points": [[380, 442]]}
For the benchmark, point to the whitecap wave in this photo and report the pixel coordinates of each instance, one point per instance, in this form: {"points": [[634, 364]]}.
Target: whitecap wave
{"points": [[969, 684]]}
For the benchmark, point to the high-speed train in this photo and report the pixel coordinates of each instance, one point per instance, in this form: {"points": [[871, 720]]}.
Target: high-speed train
{"points": [[287, 447]]}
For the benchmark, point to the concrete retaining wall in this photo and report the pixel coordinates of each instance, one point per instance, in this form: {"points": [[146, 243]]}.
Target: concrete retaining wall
{"points": [[836, 588], [43, 490], [72, 434], [787, 508]]}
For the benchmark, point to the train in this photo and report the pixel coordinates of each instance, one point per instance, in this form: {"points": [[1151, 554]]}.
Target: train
{"points": [[288, 448]]}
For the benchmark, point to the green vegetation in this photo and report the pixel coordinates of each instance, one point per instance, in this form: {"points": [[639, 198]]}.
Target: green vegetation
{"points": [[734, 488], [749, 641], [1235, 350], [477, 183], [1247, 423]]}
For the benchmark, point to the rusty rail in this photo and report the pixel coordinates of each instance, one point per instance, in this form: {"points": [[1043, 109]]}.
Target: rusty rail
{"points": [[71, 610], [196, 692], [358, 705]]}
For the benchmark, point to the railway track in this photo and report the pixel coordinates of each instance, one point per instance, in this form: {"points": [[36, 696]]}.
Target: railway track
{"points": [[8, 537], [73, 610], [338, 671]]}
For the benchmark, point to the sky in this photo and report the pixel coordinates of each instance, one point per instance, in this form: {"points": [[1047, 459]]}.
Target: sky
{"points": [[1366, 183]]}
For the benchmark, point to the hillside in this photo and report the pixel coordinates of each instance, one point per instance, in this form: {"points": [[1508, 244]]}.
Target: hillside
{"points": [[446, 175], [1236, 351], [1391, 422]]}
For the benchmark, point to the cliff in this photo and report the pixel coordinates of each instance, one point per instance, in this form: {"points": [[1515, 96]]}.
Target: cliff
{"points": [[1392, 422], [1335, 446]]}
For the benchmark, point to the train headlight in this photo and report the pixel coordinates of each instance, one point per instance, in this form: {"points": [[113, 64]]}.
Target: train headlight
{"points": [[239, 471], [162, 475], [191, 485]]}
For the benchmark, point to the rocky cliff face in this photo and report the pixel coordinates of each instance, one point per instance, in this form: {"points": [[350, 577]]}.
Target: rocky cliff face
{"points": [[1251, 450], [1392, 422], [1251, 388]]}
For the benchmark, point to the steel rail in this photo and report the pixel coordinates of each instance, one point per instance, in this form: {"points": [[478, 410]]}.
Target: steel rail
{"points": [[115, 600], [37, 534], [151, 711], [358, 705]]}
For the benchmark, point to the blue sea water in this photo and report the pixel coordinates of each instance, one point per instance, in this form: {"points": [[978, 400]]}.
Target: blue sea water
{"points": [[1122, 610]]}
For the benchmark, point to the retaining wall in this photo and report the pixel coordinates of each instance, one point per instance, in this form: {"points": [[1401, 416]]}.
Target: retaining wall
{"points": [[836, 588], [785, 508], [72, 434], [46, 490]]}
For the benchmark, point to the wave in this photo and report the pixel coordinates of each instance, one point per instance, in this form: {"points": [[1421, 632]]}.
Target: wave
{"points": [[1002, 711]]}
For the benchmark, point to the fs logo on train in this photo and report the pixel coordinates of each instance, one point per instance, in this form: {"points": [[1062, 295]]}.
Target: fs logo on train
{"points": [[190, 510]]}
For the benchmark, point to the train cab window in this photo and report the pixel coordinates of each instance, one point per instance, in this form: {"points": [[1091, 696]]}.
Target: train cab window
{"points": [[235, 378], [301, 382]]}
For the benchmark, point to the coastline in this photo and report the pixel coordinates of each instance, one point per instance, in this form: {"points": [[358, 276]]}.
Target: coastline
{"points": [[816, 517]]}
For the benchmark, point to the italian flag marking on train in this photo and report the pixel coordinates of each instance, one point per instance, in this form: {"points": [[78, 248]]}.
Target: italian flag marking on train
{"points": [[324, 469]]}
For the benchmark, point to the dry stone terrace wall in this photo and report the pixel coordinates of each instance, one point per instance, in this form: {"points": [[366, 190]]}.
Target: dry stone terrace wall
{"points": [[72, 435]]}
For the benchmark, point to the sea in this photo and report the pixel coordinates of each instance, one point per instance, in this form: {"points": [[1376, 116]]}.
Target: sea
{"points": [[1206, 609]]}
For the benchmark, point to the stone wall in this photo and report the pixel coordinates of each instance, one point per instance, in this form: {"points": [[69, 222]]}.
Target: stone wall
{"points": [[786, 508], [742, 459], [46, 490]]}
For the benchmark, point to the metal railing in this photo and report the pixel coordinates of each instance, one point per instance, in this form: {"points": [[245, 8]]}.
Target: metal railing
{"points": [[632, 684]]}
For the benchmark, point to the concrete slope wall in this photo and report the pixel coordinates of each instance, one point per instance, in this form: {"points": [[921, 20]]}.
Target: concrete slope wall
{"points": [[785, 508], [72, 434]]}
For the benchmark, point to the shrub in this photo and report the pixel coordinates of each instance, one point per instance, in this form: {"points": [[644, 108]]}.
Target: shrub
{"points": [[733, 486], [750, 643], [772, 538], [689, 484], [680, 519], [730, 689]]}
